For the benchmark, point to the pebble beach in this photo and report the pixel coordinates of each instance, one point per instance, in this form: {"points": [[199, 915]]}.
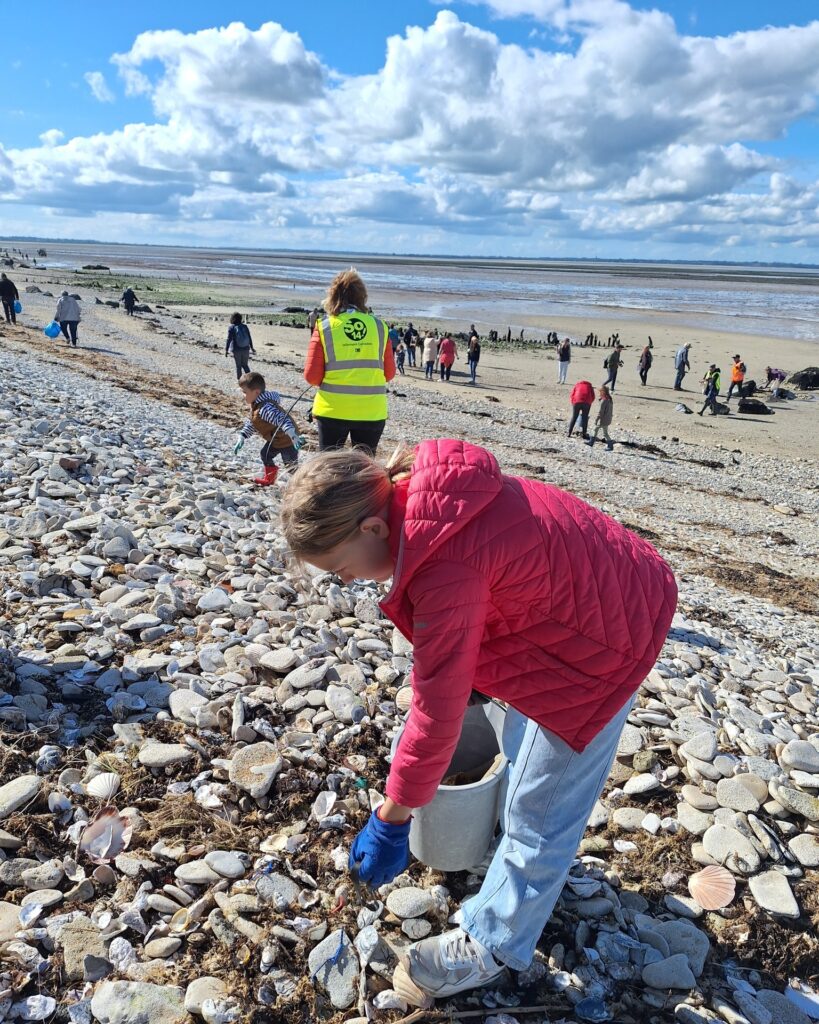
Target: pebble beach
{"points": [[193, 729]]}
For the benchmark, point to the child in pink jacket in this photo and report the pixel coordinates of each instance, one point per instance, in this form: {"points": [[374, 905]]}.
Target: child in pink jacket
{"points": [[525, 593]]}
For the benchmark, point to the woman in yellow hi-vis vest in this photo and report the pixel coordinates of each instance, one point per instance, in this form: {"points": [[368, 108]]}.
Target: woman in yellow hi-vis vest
{"points": [[350, 361]]}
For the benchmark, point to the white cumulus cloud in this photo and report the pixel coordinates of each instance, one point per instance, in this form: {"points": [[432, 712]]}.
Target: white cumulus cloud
{"points": [[98, 86], [612, 124]]}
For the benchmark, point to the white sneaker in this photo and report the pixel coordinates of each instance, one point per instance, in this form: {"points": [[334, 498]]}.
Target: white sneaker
{"points": [[444, 965]]}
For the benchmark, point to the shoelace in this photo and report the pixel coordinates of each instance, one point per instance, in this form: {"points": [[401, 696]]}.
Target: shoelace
{"points": [[460, 951]]}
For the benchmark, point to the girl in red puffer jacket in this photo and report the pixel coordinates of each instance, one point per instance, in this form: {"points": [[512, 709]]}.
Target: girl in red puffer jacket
{"points": [[525, 593]]}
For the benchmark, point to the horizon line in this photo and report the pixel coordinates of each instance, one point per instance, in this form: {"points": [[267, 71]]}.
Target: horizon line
{"points": [[412, 255]]}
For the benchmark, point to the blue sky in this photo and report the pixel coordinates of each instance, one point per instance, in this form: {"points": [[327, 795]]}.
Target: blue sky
{"points": [[520, 127]]}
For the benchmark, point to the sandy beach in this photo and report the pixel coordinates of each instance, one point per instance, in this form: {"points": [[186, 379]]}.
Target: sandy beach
{"points": [[517, 377]]}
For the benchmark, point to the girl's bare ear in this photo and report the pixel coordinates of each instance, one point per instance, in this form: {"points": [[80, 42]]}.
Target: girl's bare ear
{"points": [[376, 526]]}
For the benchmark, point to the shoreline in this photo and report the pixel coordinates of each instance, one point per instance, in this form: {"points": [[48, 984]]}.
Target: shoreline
{"points": [[516, 377], [482, 290]]}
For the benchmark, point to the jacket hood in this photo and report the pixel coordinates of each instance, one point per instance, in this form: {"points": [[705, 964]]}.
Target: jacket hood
{"points": [[451, 483]]}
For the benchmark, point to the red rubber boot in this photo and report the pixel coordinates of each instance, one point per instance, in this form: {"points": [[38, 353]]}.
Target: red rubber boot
{"points": [[269, 477]]}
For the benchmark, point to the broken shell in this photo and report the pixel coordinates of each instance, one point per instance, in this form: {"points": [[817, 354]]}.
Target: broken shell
{"points": [[713, 888], [106, 836], [104, 786], [408, 990], [69, 779], [104, 875], [180, 921], [403, 699], [73, 871], [60, 805], [323, 804]]}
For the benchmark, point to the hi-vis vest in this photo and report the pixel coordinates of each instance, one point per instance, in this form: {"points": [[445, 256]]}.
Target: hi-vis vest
{"points": [[354, 385]]}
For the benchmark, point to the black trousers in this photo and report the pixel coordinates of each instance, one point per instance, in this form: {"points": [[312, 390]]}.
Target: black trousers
{"points": [[734, 384], [644, 374], [241, 357], [580, 409], [69, 329], [268, 454], [8, 309], [364, 434]]}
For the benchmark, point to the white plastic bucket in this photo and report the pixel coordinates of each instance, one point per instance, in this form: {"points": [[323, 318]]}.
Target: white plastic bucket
{"points": [[454, 830]]}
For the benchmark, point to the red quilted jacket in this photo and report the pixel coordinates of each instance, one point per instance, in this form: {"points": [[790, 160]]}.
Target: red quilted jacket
{"points": [[523, 592], [583, 391]]}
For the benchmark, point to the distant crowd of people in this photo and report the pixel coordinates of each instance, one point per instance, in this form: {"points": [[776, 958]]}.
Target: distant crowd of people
{"points": [[353, 355]]}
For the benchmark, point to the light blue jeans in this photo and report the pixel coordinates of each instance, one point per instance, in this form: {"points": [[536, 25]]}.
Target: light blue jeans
{"points": [[552, 791]]}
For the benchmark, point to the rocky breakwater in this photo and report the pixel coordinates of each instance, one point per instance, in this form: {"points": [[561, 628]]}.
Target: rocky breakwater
{"points": [[192, 733]]}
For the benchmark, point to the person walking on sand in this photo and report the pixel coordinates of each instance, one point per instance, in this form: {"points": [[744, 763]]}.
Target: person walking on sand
{"points": [[400, 356], [605, 414], [447, 354], [350, 360], [581, 398], [129, 300], [429, 355], [68, 317], [473, 356], [681, 365], [523, 592], [646, 359], [564, 357], [613, 364], [738, 371], [711, 380], [277, 428], [240, 343], [9, 295]]}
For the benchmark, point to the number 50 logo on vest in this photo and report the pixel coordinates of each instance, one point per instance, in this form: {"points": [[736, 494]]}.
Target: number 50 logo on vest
{"points": [[355, 329], [354, 385]]}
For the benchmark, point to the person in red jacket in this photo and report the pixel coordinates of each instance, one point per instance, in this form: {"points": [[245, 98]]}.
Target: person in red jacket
{"points": [[581, 398], [518, 590]]}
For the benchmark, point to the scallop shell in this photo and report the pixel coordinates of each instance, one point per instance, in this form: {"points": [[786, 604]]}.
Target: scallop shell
{"points": [[403, 699], [104, 786], [713, 888], [403, 984]]}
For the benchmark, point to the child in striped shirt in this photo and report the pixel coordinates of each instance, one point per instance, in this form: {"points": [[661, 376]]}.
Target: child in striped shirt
{"points": [[272, 423]]}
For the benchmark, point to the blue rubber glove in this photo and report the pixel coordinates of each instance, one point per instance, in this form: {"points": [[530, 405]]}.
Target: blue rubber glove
{"points": [[238, 446], [380, 850], [296, 439]]}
